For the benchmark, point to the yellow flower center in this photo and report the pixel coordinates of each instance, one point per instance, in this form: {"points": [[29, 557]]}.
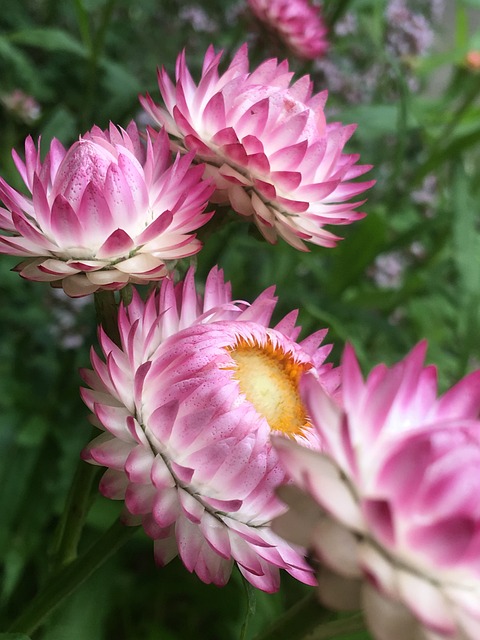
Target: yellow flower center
{"points": [[268, 377]]}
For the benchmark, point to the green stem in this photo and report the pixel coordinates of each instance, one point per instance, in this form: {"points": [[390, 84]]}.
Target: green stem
{"points": [[100, 34], [68, 579], [402, 117], [94, 42], [308, 619], [83, 24], [107, 312], [80, 495], [251, 606], [77, 506]]}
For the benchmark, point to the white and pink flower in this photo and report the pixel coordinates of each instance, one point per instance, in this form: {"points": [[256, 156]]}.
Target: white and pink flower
{"points": [[187, 404], [266, 143], [297, 24], [390, 508], [107, 211]]}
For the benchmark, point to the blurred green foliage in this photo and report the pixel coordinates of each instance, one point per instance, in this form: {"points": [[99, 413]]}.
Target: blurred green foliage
{"points": [[410, 270]]}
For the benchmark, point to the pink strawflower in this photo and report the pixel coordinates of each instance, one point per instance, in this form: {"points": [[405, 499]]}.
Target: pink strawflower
{"points": [[297, 24], [391, 509], [266, 144], [106, 212], [187, 405]]}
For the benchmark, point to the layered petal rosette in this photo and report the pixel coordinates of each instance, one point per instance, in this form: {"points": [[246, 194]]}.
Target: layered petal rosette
{"points": [[297, 24], [187, 404], [267, 145], [107, 211], [390, 509]]}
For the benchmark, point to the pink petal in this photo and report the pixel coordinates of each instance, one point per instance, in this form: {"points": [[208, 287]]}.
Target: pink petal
{"points": [[118, 243], [65, 224]]}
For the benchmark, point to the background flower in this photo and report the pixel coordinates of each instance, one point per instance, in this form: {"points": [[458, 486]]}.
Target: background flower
{"points": [[106, 212], [266, 144], [22, 106], [390, 508], [297, 24], [187, 405]]}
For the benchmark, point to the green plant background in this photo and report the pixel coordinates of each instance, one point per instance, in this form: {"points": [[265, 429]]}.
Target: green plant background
{"points": [[85, 62]]}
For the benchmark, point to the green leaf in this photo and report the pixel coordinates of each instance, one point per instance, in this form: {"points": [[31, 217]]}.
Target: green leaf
{"points": [[120, 84], [50, 39], [308, 619], [424, 66], [14, 561], [61, 125], [92, 5], [461, 28], [13, 636], [456, 146], [19, 64], [11, 484], [81, 614], [358, 251], [32, 432], [374, 119], [465, 236]]}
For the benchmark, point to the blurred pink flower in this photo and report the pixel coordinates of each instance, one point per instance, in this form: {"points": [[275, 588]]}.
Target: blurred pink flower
{"points": [[187, 405], [106, 212], [21, 105], [390, 509], [266, 143], [298, 25]]}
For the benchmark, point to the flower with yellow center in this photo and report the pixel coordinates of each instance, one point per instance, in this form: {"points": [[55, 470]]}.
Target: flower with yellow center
{"points": [[187, 405]]}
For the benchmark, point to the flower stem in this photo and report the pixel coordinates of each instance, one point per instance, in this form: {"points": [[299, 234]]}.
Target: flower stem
{"points": [[307, 618], [70, 527], [80, 496], [93, 41], [107, 311], [65, 547], [71, 577]]}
